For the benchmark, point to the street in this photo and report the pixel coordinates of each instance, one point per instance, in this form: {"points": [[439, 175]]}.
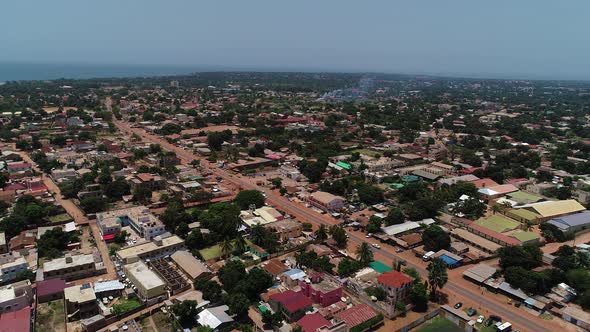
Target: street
{"points": [[463, 290]]}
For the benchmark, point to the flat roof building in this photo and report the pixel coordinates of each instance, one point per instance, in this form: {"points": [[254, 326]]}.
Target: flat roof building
{"points": [[139, 218], [149, 284], [72, 267], [159, 247], [191, 266]]}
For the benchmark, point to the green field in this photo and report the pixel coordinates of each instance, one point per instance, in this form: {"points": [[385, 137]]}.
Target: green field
{"points": [[440, 324], [213, 252], [125, 305], [498, 223], [60, 218], [50, 316]]}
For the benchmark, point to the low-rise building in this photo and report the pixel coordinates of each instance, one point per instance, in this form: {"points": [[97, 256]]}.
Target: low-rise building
{"points": [[292, 305], [16, 296], [80, 301], [359, 317], [139, 218], [72, 267], [326, 201], [159, 247], [149, 285], [11, 266], [396, 284], [286, 229], [192, 267], [215, 318], [50, 290], [324, 292], [572, 223]]}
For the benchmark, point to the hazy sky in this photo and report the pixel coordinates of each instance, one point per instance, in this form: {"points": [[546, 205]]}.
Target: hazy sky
{"points": [[529, 38]]}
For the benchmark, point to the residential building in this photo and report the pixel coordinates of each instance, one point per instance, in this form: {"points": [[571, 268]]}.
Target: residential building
{"points": [[149, 285], [80, 301], [18, 321], [359, 317], [292, 305], [147, 181], [313, 322], [192, 267], [326, 201], [16, 296], [286, 229], [159, 247], [50, 290], [139, 218], [396, 284], [72, 267], [324, 292], [10, 266], [215, 318]]}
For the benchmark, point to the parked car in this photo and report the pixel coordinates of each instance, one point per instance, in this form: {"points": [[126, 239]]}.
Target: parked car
{"points": [[458, 305], [375, 245], [480, 319], [471, 312]]}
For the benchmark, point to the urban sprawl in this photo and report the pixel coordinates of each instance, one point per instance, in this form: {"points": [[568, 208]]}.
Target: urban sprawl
{"points": [[294, 202]]}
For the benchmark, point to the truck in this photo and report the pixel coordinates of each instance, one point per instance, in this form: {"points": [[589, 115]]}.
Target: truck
{"points": [[427, 256]]}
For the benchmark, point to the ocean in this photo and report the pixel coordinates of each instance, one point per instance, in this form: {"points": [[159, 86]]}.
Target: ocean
{"points": [[38, 71]]}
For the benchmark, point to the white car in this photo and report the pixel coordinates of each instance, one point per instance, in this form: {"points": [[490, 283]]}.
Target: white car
{"points": [[480, 319], [375, 245]]}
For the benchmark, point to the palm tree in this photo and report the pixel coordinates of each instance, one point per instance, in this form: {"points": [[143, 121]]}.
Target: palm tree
{"points": [[240, 243], [364, 254], [321, 234], [258, 234], [437, 275], [226, 247]]}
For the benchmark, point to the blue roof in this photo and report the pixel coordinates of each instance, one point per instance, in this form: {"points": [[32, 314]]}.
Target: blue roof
{"points": [[293, 272], [572, 220], [448, 260]]}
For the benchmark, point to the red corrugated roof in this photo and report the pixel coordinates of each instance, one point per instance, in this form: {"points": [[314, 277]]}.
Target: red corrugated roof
{"points": [[292, 301], [107, 237], [51, 286], [16, 321], [310, 323], [394, 279], [356, 315], [499, 236]]}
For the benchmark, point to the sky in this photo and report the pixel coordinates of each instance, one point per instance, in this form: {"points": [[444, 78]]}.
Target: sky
{"points": [[501, 38]]}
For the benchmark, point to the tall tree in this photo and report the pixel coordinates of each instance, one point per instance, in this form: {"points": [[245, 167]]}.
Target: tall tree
{"points": [[321, 234], [364, 254], [437, 275]]}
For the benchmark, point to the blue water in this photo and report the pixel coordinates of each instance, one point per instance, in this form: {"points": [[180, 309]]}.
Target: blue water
{"points": [[38, 71]]}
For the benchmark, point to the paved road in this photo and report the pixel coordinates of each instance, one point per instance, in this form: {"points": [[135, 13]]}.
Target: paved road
{"points": [[521, 321], [80, 219]]}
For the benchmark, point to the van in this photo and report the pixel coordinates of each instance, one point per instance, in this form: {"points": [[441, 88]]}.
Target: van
{"points": [[427, 256]]}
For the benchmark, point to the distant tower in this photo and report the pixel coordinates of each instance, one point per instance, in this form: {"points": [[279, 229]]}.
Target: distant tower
{"points": [[174, 84]]}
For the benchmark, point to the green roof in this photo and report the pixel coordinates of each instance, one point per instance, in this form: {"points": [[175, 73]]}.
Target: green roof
{"points": [[344, 165], [521, 196], [410, 178], [380, 267], [498, 223], [525, 236], [395, 185], [524, 214], [262, 308]]}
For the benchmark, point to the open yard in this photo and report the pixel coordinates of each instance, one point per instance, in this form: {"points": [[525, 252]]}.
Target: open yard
{"points": [[51, 317], [124, 305], [498, 223], [440, 324], [158, 322], [63, 217]]}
